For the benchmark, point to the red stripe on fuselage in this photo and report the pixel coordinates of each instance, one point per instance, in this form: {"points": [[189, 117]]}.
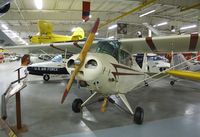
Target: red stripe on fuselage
{"points": [[123, 67], [150, 43]]}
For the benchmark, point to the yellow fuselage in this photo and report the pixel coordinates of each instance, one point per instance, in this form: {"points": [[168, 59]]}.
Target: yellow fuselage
{"points": [[54, 38]]}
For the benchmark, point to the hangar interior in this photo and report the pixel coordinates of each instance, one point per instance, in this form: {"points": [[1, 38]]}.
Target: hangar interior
{"points": [[169, 110]]}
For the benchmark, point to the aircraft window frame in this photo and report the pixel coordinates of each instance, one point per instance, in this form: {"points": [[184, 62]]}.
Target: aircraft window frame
{"points": [[125, 58], [57, 58]]}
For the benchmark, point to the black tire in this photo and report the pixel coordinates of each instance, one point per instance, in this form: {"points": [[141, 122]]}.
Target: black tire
{"points": [[172, 83], [76, 105], [139, 115], [46, 77], [146, 84]]}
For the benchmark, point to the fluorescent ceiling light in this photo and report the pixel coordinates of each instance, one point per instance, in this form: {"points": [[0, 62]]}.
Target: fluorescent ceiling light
{"points": [[4, 26], [147, 13], [38, 4], [188, 27], [160, 24], [113, 26]]}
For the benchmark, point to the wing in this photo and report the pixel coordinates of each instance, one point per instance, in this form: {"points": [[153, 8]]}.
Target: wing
{"points": [[176, 43], [184, 74], [48, 48]]}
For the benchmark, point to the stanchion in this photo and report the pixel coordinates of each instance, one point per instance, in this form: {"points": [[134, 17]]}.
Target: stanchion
{"points": [[13, 89]]}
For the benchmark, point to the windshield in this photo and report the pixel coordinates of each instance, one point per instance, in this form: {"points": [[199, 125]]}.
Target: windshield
{"points": [[108, 47], [57, 58], [112, 47]]}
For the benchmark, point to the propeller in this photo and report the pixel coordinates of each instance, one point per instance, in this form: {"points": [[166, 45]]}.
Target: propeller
{"points": [[80, 60]]}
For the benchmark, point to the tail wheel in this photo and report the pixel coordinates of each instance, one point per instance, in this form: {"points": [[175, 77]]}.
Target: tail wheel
{"points": [[172, 83], [139, 115], [76, 105], [46, 77]]}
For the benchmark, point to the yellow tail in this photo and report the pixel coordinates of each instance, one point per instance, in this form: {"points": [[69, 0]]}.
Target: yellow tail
{"points": [[78, 34], [45, 27]]}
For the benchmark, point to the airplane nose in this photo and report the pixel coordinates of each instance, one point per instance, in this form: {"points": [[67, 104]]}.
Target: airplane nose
{"points": [[90, 70]]}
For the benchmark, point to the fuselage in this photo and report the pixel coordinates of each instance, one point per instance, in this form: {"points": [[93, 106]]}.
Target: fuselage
{"points": [[48, 67], [55, 66]]}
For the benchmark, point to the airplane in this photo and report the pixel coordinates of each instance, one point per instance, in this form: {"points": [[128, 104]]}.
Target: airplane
{"points": [[184, 69], [108, 69], [48, 68], [47, 36], [155, 63]]}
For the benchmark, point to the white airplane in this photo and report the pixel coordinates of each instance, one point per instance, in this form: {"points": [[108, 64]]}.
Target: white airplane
{"points": [[108, 69], [48, 68], [155, 63]]}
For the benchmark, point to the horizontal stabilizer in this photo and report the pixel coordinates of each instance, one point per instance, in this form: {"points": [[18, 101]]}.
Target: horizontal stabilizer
{"points": [[78, 34]]}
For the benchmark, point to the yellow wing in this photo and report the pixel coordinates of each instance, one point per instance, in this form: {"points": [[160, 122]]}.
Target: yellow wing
{"points": [[185, 74]]}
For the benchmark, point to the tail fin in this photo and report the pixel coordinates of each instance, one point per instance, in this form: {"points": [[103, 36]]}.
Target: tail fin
{"points": [[179, 58], [78, 34], [45, 27]]}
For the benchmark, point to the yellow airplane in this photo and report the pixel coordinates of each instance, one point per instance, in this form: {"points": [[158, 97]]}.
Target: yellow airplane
{"points": [[47, 36]]}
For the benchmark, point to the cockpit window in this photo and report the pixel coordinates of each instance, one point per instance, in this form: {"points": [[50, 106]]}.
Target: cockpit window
{"points": [[57, 58], [125, 58], [156, 58], [108, 47]]}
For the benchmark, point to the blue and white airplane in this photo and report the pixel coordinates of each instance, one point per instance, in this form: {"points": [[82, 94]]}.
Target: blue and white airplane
{"points": [[54, 67]]}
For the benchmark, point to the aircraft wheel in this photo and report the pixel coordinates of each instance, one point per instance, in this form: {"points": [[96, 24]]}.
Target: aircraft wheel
{"points": [[46, 77], [76, 105], [146, 84], [139, 115], [172, 83]]}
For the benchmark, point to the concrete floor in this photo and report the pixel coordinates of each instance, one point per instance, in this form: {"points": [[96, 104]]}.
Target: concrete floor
{"points": [[169, 111]]}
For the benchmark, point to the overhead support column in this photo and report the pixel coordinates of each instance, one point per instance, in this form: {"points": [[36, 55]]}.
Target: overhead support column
{"points": [[142, 5]]}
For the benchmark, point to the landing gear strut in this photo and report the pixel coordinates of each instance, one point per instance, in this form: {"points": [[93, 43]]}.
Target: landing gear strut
{"points": [[138, 114]]}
